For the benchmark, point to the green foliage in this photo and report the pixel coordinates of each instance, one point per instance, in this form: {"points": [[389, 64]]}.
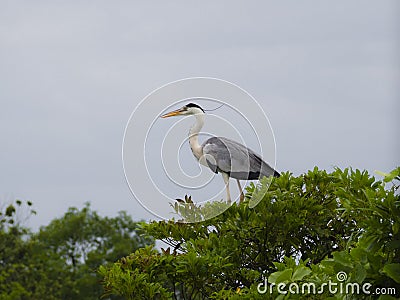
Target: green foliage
{"points": [[137, 275], [13, 250], [304, 229], [190, 212], [8, 216], [61, 260]]}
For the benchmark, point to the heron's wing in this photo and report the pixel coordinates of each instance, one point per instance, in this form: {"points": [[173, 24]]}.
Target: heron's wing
{"points": [[216, 154], [235, 159]]}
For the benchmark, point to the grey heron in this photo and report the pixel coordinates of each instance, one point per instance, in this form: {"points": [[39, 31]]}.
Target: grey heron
{"points": [[223, 155]]}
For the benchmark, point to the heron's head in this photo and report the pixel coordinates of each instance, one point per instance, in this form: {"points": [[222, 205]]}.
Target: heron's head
{"points": [[187, 110]]}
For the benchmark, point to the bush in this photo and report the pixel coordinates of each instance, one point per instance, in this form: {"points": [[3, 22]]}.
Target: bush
{"points": [[341, 227]]}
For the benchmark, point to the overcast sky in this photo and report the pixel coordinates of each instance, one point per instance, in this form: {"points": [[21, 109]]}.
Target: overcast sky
{"points": [[71, 73]]}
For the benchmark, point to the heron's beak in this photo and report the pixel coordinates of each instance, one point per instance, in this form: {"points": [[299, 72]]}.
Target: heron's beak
{"points": [[172, 113]]}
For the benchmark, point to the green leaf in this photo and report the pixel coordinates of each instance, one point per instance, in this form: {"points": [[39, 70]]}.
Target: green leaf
{"points": [[280, 276], [393, 271], [389, 176], [359, 254], [300, 273], [359, 273], [342, 258]]}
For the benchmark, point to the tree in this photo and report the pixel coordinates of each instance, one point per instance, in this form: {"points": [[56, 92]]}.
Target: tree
{"points": [[305, 230], [13, 251], [60, 261], [83, 240]]}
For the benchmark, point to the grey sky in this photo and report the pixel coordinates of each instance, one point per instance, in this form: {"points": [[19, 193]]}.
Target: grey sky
{"points": [[326, 73]]}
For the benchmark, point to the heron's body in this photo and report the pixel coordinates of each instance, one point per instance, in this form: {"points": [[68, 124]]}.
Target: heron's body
{"points": [[223, 155]]}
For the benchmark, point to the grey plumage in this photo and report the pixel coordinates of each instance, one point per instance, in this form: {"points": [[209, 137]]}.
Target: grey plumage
{"points": [[236, 160]]}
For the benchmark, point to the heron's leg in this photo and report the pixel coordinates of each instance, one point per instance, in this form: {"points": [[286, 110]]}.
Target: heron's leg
{"points": [[240, 190], [226, 180]]}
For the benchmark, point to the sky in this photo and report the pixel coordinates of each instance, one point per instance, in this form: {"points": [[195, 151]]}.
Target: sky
{"points": [[72, 73]]}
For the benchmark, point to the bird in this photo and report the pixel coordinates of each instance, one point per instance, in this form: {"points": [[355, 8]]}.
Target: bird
{"points": [[223, 155]]}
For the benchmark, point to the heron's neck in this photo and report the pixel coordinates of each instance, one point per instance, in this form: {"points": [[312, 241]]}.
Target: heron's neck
{"points": [[194, 136]]}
